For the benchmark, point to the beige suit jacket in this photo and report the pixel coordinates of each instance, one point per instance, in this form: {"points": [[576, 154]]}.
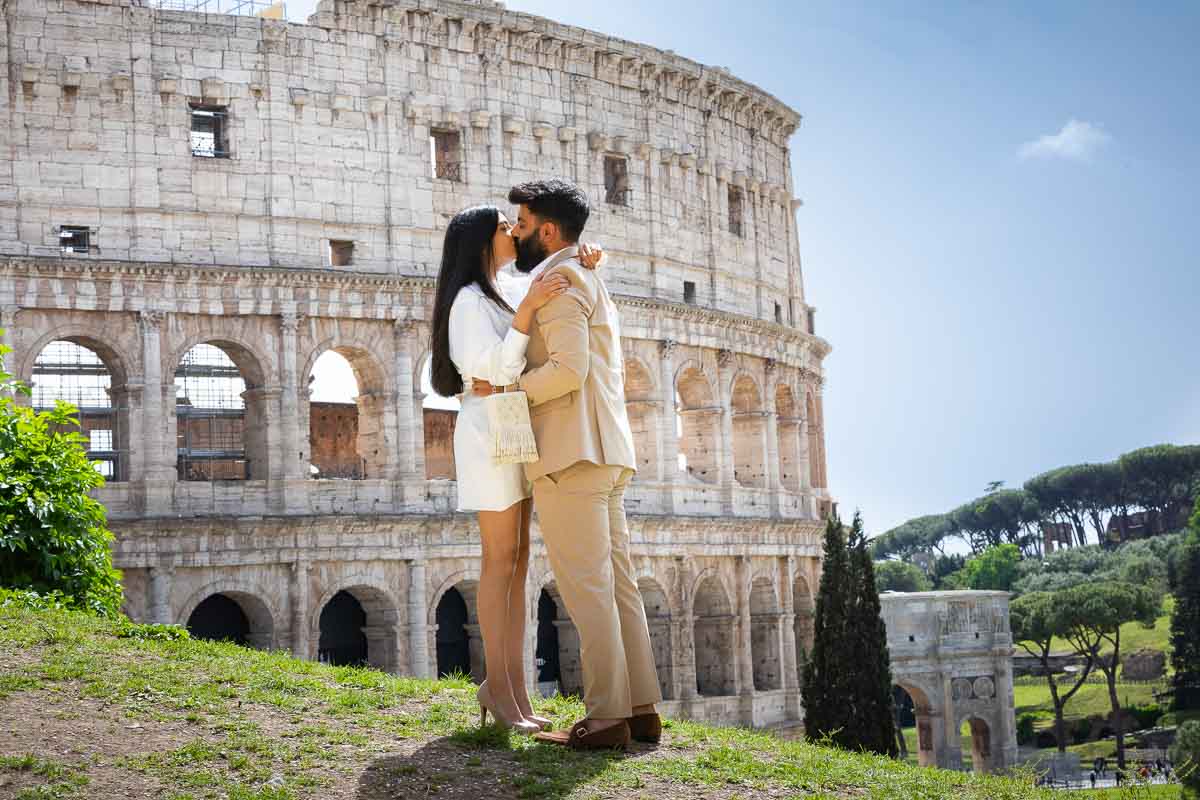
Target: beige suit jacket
{"points": [[576, 378]]}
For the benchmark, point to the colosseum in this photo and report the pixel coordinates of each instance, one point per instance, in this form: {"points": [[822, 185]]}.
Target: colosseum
{"points": [[195, 208]]}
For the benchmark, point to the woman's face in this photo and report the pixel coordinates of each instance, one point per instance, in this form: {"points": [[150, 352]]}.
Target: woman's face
{"points": [[503, 249]]}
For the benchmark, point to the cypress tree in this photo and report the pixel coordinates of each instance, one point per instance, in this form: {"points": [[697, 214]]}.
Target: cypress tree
{"points": [[826, 688], [874, 726], [1185, 619]]}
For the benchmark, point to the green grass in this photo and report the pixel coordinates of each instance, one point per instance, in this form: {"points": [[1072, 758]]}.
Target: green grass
{"points": [[1151, 792], [202, 720], [1092, 698]]}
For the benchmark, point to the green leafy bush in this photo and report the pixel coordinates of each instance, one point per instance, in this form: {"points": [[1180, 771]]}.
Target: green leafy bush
{"points": [[1025, 728], [1145, 716], [53, 536], [128, 629], [1185, 755]]}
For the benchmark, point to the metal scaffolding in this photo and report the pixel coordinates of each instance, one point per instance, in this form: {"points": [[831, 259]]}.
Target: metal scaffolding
{"points": [[272, 9], [74, 374], [210, 416]]}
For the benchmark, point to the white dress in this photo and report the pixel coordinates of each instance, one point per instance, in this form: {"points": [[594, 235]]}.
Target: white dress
{"points": [[483, 344]]}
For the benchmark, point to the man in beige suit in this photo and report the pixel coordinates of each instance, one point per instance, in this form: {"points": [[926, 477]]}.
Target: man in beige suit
{"points": [[576, 388]]}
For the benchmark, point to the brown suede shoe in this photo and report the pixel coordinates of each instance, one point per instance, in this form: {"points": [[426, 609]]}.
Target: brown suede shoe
{"points": [[645, 728], [614, 737]]}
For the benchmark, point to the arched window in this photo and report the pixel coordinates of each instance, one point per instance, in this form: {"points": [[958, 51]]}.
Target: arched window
{"points": [[714, 638], [658, 619], [642, 407], [69, 371], [788, 431], [749, 435], [211, 427], [696, 426], [765, 640], [232, 616], [439, 415]]}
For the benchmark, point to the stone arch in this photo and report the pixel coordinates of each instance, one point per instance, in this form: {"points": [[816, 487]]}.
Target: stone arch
{"points": [[927, 719], [816, 439], [642, 406], [221, 413], [90, 375], [658, 620], [766, 645], [749, 433], [557, 654], [380, 621], [455, 634], [344, 441], [119, 363], [261, 618], [713, 621], [788, 431], [804, 610], [697, 412], [981, 741], [437, 424], [254, 364]]}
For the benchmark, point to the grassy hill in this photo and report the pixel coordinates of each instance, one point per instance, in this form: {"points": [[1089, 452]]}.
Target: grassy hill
{"points": [[94, 708]]}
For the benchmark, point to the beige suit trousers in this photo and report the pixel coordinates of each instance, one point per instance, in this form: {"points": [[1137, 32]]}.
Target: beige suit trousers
{"points": [[581, 511]]}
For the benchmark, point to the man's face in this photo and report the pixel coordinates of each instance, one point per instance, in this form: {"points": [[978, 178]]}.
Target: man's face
{"points": [[527, 237]]}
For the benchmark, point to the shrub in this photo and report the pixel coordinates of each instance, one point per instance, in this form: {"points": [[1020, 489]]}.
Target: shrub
{"points": [[53, 536], [1145, 716], [1185, 755], [1025, 729]]}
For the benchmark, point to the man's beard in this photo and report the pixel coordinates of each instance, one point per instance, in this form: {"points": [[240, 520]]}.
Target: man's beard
{"points": [[530, 253]]}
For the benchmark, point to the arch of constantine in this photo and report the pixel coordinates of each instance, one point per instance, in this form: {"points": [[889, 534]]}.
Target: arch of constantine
{"points": [[194, 208], [952, 654]]}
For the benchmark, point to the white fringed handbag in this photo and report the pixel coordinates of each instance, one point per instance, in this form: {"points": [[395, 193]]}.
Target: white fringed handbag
{"points": [[511, 428]]}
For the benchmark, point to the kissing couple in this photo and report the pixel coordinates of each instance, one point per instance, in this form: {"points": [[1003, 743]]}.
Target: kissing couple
{"points": [[550, 331]]}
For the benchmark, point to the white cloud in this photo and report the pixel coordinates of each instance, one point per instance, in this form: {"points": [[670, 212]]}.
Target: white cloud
{"points": [[1077, 141]]}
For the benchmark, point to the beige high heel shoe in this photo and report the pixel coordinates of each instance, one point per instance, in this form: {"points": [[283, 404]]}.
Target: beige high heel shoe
{"points": [[485, 705]]}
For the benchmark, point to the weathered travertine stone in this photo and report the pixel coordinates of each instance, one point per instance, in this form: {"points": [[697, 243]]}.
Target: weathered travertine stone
{"points": [[327, 130]]}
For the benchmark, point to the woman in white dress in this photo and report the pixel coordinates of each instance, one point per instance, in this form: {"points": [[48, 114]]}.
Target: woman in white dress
{"points": [[481, 325]]}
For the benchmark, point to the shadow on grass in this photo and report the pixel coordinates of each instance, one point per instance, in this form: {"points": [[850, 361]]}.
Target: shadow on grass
{"points": [[489, 763]]}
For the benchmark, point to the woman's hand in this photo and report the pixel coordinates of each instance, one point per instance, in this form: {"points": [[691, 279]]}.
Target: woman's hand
{"points": [[591, 255], [544, 288]]}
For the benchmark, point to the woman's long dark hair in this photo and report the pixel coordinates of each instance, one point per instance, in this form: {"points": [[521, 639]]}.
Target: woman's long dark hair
{"points": [[466, 255]]}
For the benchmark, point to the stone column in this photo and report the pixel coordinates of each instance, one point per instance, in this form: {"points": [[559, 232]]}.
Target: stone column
{"points": [[745, 651], [667, 424], [418, 625], [774, 486], [301, 643], [158, 476], [410, 421], [725, 364], [683, 634], [261, 437], [289, 401], [160, 595], [8, 319], [791, 669]]}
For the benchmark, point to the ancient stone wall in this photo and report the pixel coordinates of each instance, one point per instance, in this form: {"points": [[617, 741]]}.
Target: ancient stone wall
{"points": [[207, 204]]}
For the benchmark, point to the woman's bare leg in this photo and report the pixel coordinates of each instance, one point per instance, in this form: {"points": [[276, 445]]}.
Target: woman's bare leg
{"points": [[499, 533], [515, 631]]}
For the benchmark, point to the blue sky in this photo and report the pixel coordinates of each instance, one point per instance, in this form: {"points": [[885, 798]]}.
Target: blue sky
{"points": [[1000, 228]]}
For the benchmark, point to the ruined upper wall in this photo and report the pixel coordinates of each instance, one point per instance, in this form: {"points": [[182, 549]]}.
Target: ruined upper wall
{"points": [[329, 127]]}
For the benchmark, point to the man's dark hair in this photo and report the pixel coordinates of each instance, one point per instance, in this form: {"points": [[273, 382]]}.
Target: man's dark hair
{"points": [[555, 200]]}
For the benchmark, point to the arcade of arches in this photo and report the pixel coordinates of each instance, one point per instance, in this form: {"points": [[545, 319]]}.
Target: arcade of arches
{"points": [[332, 514]]}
